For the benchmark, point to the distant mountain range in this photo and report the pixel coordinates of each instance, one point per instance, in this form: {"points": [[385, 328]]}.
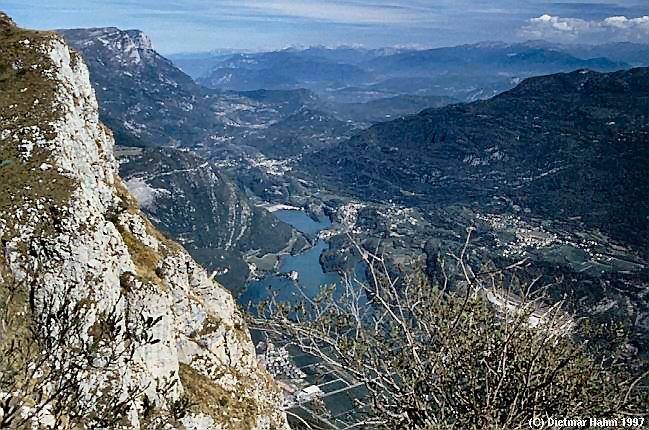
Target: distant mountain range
{"points": [[493, 58], [466, 72], [198, 64], [562, 146], [147, 101], [635, 54], [282, 70]]}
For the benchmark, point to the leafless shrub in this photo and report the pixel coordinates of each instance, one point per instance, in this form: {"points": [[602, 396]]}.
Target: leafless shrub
{"points": [[57, 370], [473, 350]]}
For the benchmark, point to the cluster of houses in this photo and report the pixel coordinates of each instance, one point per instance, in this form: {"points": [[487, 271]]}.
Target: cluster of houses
{"points": [[290, 378]]}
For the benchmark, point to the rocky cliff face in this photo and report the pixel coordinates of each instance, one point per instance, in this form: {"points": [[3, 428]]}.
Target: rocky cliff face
{"points": [[103, 321]]}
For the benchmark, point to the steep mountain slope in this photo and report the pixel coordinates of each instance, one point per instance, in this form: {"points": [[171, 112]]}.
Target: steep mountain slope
{"points": [[561, 146], [105, 323], [142, 94], [147, 101], [188, 198]]}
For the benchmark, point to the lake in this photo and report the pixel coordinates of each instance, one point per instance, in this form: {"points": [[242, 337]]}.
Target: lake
{"points": [[311, 278], [307, 264]]}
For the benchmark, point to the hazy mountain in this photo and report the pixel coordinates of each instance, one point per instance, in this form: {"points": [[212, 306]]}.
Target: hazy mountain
{"points": [[197, 64], [473, 72], [242, 79], [282, 70], [486, 58], [356, 75], [636, 54], [347, 54]]}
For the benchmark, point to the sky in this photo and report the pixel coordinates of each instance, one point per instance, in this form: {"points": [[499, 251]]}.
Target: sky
{"points": [[204, 25]]}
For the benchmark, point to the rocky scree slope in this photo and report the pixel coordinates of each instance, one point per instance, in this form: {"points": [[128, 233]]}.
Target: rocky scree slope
{"points": [[105, 323]]}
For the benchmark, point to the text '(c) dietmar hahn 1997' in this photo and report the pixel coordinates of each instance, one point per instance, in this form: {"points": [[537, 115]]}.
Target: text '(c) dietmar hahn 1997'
{"points": [[554, 423]]}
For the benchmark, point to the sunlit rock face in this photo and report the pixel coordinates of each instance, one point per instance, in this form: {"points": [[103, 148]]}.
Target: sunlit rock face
{"points": [[79, 252]]}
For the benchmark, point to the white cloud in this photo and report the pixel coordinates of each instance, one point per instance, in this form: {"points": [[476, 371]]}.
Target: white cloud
{"points": [[611, 29]]}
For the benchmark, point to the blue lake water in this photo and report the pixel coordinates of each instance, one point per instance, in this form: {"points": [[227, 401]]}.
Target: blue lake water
{"points": [[302, 222], [306, 264], [311, 278]]}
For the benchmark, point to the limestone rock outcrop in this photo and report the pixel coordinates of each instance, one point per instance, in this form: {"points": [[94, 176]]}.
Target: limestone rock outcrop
{"points": [[104, 322]]}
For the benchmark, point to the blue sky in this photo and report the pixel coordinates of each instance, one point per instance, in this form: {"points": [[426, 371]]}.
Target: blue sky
{"points": [[201, 25]]}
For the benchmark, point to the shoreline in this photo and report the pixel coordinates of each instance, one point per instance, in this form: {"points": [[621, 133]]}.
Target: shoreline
{"points": [[269, 264]]}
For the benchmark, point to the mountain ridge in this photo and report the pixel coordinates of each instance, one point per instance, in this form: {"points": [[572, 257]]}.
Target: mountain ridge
{"points": [[530, 136], [465, 72]]}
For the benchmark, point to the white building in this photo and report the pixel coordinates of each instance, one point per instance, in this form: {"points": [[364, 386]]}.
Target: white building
{"points": [[309, 393]]}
